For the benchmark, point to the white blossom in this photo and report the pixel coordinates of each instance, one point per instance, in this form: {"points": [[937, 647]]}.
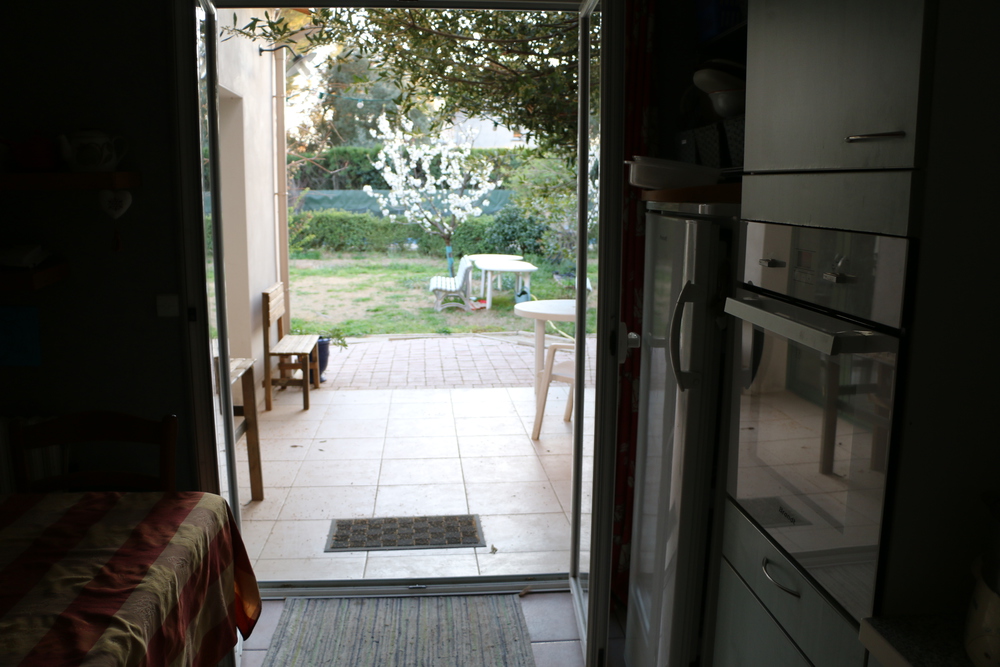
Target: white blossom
{"points": [[438, 204]]}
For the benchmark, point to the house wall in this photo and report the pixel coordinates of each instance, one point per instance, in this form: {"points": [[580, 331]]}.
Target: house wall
{"points": [[249, 205]]}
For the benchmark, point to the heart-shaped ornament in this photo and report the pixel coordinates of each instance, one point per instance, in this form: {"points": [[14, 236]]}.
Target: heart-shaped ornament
{"points": [[115, 202]]}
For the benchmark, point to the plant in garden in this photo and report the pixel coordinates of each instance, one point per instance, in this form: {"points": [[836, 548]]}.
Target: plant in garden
{"points": [[436, 183], [514, 233], [518, 68], [546, 190]]}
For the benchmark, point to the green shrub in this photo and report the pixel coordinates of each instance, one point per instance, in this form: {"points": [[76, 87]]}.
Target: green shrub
{"points": [[429, 244], [346, 168], [343, 231], [514, 233], [470, 236]]}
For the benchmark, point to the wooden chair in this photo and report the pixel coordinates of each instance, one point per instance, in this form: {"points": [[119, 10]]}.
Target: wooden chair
{"points": [[303, 348], [92, 430], [564, 371], [457, 287]]}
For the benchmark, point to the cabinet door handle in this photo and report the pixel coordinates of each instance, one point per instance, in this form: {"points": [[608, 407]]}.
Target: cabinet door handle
{"points": [[763, 567], [899, 134]]}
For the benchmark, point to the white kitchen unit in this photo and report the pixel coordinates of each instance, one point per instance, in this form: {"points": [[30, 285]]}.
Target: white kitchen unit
{"points": [[688, 258], [807, 621], [854, 124], [832, 85], [748, 634]]}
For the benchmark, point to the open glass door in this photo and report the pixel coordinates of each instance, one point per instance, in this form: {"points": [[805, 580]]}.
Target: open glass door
{"points": [[215, 284], [592, 516]]}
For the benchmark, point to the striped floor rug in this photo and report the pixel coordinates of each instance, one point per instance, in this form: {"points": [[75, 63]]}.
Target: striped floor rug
{"points": [[444, 631]]}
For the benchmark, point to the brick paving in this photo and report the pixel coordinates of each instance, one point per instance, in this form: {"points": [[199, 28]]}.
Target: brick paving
{"points": [[445, 361]]}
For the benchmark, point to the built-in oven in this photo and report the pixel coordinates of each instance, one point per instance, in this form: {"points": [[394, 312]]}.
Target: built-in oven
{"points": [[817, 332]]}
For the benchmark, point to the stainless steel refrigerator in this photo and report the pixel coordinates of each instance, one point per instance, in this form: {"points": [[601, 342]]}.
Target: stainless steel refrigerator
{"points": [[687, 278]]}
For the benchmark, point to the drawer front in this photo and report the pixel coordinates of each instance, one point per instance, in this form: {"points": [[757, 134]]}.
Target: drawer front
{"points": [[823, 633], [861, 201], [745, 634]]}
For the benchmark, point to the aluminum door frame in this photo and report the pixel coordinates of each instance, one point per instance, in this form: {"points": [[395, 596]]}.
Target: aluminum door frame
{"points": [[593, 607]]}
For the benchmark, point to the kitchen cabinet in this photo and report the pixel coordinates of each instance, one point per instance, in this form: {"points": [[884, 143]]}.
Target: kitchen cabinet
{"points": [[860, 201], [938, 194], [826, 79], [748, 636]]}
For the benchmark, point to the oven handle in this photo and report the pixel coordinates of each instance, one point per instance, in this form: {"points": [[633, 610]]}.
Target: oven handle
{"points": [[685, 379], [827, 342]]}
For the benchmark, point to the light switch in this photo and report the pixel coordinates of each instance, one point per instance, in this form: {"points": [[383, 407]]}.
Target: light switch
{"points": [[168, 305]]}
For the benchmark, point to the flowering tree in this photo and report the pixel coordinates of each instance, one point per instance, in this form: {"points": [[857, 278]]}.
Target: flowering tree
{"points": [[436, 183]]}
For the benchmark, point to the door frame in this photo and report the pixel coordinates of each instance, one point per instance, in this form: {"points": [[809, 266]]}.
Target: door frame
{"points": [[204, 380], [592, 604], [610, 350]]}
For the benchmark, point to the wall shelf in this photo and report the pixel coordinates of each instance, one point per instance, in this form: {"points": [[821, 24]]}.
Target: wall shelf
{"points": [[101, 180]]}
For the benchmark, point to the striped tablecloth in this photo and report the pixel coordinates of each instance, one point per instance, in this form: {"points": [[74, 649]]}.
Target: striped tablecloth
{"points": [[122, 579]]}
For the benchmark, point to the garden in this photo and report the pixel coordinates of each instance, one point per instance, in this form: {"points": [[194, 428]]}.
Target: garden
{"points": [[386, 187], [365, 275]]}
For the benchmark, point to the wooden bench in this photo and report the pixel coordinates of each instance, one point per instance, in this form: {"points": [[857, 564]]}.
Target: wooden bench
{"points": [[304, 349]]}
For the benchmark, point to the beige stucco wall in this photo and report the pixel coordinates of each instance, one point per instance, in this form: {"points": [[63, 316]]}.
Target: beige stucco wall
{"points": [[247, 147]]}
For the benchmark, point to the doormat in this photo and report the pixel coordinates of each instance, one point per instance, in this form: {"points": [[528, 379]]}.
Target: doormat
{"points": [[431, 631], [406, 532], [771, 512]]}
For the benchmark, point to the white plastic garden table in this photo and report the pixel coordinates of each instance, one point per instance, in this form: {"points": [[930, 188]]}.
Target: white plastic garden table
{"points": [[547, 310], [497, 265], [482, 273]]}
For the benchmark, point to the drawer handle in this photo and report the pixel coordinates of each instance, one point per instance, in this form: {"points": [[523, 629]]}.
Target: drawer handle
{"points": [[763, 567], [875, 135]]}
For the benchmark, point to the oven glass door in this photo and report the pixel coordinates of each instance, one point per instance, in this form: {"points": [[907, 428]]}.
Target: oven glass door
{"points": [[814, 398]]}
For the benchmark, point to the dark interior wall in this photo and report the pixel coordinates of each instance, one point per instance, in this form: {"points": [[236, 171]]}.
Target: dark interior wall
{"points": [[946, 449], [106, 66]]}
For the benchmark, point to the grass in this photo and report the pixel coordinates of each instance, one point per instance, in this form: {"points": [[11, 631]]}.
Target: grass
{"points": [[379, 293]]}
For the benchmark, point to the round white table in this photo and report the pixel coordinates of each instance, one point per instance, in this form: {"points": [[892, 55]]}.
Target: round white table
{"points": [[548, 310], [493, 265]]}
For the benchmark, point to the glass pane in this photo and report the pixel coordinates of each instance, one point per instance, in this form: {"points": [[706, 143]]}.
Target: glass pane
{"points": [[588, 245], [814, 433]]}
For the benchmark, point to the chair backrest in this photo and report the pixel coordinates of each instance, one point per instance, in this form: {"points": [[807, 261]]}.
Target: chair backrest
{"points": [[92, 430], [273, 303], [464, 270]]}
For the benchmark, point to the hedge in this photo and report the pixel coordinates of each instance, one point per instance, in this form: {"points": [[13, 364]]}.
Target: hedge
{"points": [[507, 232]]}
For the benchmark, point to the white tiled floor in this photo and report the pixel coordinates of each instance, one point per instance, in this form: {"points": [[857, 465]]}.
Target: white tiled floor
{"points": [[408, 452]]}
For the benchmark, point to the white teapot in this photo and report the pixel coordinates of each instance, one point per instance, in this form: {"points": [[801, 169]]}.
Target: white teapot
{"points": [[92, 150]]}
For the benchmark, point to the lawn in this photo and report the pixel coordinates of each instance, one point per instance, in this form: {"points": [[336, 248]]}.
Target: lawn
{"points": [[386, 293]]}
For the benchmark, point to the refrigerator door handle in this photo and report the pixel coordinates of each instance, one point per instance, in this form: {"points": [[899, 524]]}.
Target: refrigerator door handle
{"points": [[685, 379]]}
